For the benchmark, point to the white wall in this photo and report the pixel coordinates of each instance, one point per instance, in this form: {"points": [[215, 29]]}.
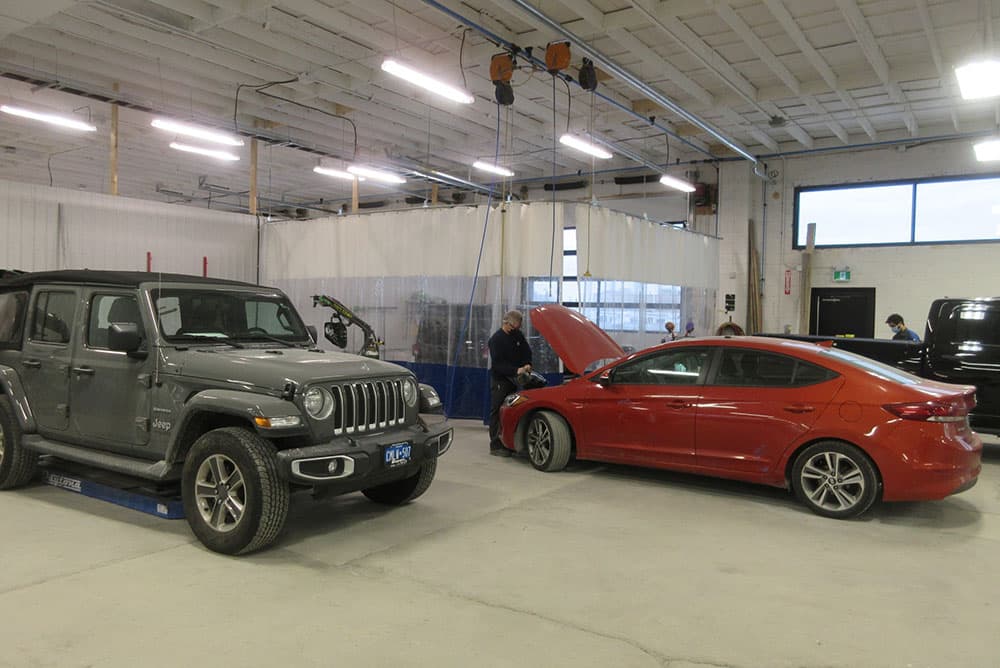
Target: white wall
{"points": [[906, 278], [44, 228]]}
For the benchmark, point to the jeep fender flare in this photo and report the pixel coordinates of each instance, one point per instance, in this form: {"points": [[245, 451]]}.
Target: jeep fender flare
{"points": [[10, 383], [234, 403]]}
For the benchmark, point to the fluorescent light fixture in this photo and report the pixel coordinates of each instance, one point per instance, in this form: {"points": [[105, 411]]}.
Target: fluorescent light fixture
{"points": [[396, 68], [674, 182], [979, 80], [53, 119], [337, 174], [375, 174], [212, 153], [194, 131], [495, 169], [988, 150], [584, 146]]}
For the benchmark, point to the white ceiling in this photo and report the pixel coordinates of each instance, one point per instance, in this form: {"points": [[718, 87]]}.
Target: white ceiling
{"points": [[772, 76]]}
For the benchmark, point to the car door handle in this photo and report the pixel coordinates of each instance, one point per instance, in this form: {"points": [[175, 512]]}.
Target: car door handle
{"points": [[31, 364], [677, 403], [799, 408], [83, 370]]}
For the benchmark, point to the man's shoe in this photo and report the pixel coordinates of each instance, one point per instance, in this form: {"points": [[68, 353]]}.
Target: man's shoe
{"points": [[500, 452]]}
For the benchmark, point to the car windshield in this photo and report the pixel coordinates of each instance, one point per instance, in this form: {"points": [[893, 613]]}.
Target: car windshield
{"points": [[227, 316], [871, 366]]}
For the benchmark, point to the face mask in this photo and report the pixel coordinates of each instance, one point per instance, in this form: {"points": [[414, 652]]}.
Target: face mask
{"points": [[896, 328]]}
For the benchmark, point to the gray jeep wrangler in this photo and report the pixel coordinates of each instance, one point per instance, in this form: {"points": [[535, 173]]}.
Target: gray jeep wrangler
{"points": [[213, 384]]}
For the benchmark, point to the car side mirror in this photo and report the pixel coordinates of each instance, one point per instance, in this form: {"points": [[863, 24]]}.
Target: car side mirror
{"points": [[604, 379], [125, 337], [313, 333]]}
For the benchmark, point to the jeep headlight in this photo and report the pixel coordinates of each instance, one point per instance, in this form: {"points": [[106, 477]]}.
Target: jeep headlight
{"points": [[318, 403], [409, 392]]}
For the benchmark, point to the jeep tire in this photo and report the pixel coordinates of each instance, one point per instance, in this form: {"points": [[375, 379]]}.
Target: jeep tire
{"points": [[234, 499], [17, 465], [403, 491]]}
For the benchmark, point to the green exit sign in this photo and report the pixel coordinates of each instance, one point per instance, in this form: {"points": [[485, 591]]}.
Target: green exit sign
{"points": [[842, 275]]}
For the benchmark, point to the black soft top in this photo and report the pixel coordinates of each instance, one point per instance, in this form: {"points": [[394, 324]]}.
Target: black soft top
{"points": [[123, 278]]}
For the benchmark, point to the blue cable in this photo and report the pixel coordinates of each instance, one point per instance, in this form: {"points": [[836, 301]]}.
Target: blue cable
{"points": [[475, 278]]}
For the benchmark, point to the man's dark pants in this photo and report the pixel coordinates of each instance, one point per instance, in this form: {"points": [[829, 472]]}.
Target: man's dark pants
{"points": [[500, 387]]}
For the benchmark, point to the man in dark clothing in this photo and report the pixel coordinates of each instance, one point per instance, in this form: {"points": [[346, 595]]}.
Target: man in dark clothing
{"points": [[899, 329], [510, 356]]}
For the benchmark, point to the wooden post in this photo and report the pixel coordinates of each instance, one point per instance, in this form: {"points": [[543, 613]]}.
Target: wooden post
{"points": [[354, 195], [806, 297], [113, 150], [434, 193], [253, 177]]}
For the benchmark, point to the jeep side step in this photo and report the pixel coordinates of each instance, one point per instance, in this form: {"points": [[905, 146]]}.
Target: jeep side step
{"points": [[139, 468]]}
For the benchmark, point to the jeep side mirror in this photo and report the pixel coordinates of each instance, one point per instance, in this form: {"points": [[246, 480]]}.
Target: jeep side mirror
{"points": [[124, 337], [313, 334]]}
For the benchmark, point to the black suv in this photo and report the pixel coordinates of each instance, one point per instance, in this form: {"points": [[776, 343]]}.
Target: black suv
{"points": [[213, 384]]}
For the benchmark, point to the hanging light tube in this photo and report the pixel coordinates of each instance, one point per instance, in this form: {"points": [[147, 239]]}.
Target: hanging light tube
{"points": [[987, 150], [52, 119], [194, 131], [584, 146], [211, 153], [494, 169], [676, 183], [396, 68], [979, 80], [375, 174], [337, 174]]}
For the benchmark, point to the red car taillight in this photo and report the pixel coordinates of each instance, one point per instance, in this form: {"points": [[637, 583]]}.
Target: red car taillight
{"points": [[931, 411]]}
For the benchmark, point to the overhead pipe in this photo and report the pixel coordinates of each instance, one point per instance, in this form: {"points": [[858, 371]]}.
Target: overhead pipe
{"points": [[613, 68], [500, 41]]}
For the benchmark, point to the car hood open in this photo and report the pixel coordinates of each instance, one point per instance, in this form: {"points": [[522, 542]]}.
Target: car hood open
{"points": [[577, 341]]}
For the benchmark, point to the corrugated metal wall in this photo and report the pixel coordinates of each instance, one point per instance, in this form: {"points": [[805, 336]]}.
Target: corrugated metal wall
{"points": [[45, 228]]}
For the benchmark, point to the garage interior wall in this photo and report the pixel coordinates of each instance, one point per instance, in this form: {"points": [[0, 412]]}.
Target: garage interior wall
{"points": [[906, 278], [46, 228], [410, 274]]}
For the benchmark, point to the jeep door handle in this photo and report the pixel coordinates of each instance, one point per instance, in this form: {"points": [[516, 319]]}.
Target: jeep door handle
{"points": [[83, 370], [799, 408], [31, 364]]}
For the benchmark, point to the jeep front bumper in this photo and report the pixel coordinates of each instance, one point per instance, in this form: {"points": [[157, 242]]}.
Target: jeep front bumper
{"points": [[359, 462]]}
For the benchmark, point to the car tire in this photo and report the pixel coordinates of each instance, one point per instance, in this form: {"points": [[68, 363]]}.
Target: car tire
{"points": [[243, 467], [548, 441], [403, 491], [17, 465], [835, 479]]}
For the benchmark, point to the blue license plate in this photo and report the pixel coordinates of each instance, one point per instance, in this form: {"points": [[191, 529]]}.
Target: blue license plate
{"points": [[397, 454]]}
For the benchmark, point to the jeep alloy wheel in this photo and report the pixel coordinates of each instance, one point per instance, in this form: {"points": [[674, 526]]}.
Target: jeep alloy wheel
{"points": [[234, 499]]}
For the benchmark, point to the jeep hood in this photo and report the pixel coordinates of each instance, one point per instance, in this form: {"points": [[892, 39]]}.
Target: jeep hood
{"points": [[273, 367], [577, 341]]}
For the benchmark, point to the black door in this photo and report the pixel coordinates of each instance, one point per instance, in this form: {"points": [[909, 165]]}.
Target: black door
{"points": [[842, 312]]}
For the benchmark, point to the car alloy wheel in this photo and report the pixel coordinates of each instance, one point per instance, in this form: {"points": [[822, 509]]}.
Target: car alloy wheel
{"points": [[835, 479], [220, 493], [539, 442]]}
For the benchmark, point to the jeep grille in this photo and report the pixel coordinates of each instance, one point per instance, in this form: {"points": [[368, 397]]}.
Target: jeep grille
{"points": [[368, 406]]}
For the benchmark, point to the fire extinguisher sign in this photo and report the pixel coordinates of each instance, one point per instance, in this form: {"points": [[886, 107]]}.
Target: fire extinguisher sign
{"points": [[788, 281]]}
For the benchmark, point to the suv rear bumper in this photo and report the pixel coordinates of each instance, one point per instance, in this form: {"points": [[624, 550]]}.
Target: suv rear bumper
{"points": [[353, 463]]}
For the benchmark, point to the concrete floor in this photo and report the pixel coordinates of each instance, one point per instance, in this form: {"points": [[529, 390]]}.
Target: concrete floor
{"points": [[500, 565]]}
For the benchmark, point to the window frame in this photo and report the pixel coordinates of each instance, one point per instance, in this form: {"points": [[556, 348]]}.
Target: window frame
{"points": [[914, 183], [36, 298]]}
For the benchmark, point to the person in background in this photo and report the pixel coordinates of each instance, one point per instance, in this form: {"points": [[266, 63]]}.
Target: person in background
{"points": [[510, 356], [899, 330], [671, 336], [689, 328]]}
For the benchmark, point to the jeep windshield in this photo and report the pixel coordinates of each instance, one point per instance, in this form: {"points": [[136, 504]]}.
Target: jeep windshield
{"points": [[214, 315]]}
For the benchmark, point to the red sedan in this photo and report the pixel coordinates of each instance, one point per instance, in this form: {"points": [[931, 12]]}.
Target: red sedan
{"points": [[841, 430]]}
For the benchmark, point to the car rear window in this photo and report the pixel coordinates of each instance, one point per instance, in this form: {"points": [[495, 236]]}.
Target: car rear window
{"points": [[970, 322], [871, 366]]}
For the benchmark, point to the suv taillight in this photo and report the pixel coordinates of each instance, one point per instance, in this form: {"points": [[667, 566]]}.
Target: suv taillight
{"points": [[930, 411]]}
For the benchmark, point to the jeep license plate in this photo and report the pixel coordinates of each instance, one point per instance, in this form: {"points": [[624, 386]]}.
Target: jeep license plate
{"points": [[397, 454]]}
